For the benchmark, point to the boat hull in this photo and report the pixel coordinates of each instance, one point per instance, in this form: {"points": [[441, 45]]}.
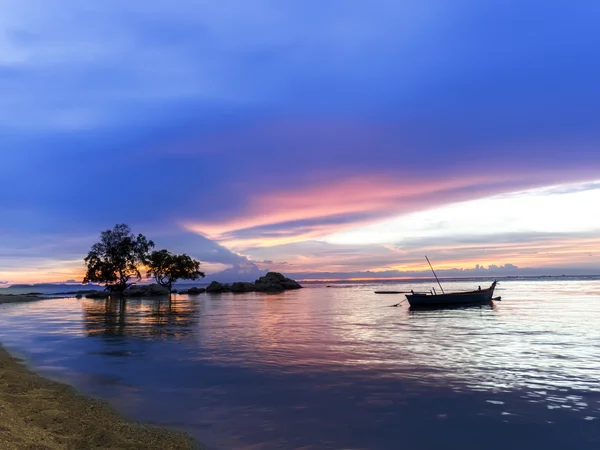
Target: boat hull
{"points": [[453, 299]]}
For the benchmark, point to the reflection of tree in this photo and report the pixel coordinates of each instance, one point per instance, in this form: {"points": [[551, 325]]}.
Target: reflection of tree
{"points": [[145, 318]]}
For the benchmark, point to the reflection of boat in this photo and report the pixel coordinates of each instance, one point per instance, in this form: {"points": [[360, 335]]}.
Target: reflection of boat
{"points": [[442, 309], [455, 298]]}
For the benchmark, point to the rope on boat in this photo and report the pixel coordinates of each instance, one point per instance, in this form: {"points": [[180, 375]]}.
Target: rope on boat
{"points": [[399, 303]]}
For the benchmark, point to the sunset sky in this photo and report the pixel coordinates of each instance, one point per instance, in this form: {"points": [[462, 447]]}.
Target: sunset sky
{"points": [[322, 139]]}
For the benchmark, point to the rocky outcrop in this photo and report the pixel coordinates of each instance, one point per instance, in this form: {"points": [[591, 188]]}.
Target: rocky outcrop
{"points": [[275, 282], [192, 291], [217, 288], [196, 291], [271, 282], [146, 290], [97, 294], [143, 290], [242, 286]]}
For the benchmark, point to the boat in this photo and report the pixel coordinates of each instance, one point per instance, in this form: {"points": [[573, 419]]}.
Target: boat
{"points": [[425, 299], [433, 299]]}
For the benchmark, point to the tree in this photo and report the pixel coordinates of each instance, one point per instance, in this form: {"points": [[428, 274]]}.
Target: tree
{"points": [[167, 268], [117, 258]]}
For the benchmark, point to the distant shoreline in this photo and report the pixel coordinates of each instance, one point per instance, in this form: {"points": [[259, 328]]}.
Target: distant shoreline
{"points": [[20, 298], [75, 288], [36, 412]]}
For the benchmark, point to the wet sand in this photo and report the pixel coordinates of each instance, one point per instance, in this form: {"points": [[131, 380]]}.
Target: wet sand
{"points": [[37, 413]]}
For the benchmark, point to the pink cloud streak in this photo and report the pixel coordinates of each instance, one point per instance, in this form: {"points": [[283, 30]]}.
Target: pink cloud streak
{"points": [[303, 213]]}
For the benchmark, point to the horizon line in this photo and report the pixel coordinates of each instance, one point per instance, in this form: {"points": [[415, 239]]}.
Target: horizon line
{"points": [[334, 280]]}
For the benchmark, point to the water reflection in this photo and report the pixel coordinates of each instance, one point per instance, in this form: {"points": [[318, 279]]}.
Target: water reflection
{"points": [[482, 306], [337, 368], [145, 318]]}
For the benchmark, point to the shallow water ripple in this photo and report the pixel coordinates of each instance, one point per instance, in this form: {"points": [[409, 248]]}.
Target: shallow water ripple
{"points": [[335, 367]]}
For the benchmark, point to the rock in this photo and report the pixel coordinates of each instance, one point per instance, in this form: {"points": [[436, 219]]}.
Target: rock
{"points": [[275, 282], [289, 284], [216, 288], [97, 294], [275, 276], [196, 291], [271, 282], [146, 290], [241, 286], [79, 295], [192, 291], [174, 291]]}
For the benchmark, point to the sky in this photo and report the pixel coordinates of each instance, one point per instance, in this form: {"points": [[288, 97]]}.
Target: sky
{"points": [[322, 139]]}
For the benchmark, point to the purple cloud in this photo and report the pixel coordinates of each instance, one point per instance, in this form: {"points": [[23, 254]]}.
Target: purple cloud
{"points": [[262, 122]]}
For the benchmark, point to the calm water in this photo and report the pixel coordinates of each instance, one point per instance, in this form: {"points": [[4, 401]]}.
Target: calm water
{"points": [[335, 367]]}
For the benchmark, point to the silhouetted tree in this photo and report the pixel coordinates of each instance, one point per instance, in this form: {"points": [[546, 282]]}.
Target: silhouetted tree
{"points": [[117, 258], [167, 268]]}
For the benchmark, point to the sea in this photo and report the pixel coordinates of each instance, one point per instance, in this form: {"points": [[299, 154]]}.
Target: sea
{"points": [[335, 366]]}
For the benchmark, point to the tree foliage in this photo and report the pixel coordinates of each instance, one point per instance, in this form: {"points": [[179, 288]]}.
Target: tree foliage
{"points": [[167, 268], [117, 258]]}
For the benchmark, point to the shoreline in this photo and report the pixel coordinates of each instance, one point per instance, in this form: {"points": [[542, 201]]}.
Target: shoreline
{"points": [[20, 298], [36, 412]]}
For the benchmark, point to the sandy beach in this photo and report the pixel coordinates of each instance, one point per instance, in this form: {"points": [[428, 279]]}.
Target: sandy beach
{"points": [[37, 413]]}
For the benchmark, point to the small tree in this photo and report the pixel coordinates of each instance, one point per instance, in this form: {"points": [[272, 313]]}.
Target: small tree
{"points": [[116, 259], [167, 268]]}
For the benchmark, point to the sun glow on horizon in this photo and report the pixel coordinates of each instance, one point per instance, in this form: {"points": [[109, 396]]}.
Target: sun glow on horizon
{"points": [[546, 228], [550, 227]]}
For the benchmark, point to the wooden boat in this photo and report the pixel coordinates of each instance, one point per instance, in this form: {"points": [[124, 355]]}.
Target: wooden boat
{"points": [[426, 299]]}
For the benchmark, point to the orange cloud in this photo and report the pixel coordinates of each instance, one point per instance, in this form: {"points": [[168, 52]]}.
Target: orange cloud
{"points": [[42, 275], [58, 271], [524, 252]]}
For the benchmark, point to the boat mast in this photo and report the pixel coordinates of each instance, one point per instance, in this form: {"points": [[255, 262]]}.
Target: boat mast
{"points": [[437, 279]]}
